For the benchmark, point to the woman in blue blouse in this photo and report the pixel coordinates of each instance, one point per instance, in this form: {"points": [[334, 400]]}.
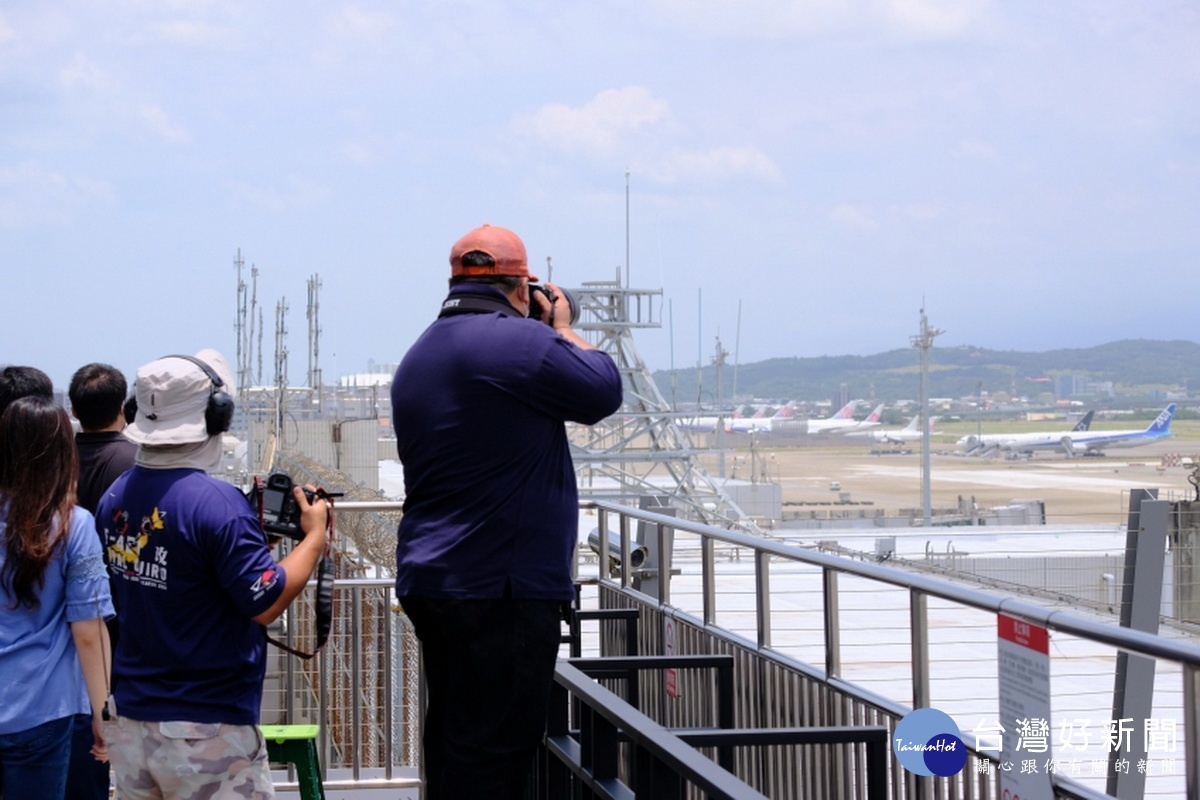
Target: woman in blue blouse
{"points": [[53, 599]]}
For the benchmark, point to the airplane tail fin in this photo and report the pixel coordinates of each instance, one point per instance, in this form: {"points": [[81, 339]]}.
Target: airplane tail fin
{"points": [[1162, 423], [914, 422], [875, 415], [1085, 422], [846, 411], [786, 411]]}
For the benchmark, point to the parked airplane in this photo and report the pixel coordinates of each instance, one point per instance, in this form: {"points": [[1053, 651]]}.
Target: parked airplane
{"points": [[763, 424], [702, 424], [844, 418], [990, 443], [871, 421], [909, 433], [1084, 442]]}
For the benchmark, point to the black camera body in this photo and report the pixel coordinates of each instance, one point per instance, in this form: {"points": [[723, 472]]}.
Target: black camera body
{"points": [[548, 297], [277, 505]]}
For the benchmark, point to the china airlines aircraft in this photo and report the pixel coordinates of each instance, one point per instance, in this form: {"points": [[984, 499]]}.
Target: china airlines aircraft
{"points": [[764, 424], [871, 421], [909, 433], [844, 418]]}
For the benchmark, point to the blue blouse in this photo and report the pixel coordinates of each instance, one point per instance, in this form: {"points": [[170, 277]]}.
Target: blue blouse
{"points": [[42, 677]]}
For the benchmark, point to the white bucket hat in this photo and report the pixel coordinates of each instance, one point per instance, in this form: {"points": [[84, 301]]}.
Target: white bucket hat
{"points": [[173, 395]]}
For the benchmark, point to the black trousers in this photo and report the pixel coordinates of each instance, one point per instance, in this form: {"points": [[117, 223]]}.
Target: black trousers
{"points": [[489, 665]]}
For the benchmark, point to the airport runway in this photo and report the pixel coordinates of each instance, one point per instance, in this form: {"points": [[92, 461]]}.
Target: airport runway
{"points": [[1082, 490]]}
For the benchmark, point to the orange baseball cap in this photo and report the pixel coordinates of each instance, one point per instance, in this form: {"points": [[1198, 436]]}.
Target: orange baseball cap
{"points": [[505, 247]]}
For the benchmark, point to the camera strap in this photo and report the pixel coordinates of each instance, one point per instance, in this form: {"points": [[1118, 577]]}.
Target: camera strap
{"points": [[323, 604], [474, 304]]}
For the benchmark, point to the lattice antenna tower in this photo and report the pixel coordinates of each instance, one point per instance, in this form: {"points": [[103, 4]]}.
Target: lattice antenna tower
{"points": [[314, 336], [281, 354], [640, 450]]}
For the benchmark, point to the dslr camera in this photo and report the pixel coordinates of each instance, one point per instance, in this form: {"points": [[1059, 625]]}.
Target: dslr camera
{"points": [[277, 506], [547, 298]]}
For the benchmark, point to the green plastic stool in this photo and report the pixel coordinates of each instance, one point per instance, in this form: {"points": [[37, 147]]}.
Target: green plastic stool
{"points": [[297, 744]]}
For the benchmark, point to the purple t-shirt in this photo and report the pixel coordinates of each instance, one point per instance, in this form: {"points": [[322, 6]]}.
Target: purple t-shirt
{"points": [[491, 504], [190, 567]]}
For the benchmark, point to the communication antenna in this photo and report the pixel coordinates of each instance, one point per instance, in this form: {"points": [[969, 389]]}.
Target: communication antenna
{"points": [[314, 337], [923, 342], [239, 323], [627, 283], [281, 354], [737, 344], [258, 380]]}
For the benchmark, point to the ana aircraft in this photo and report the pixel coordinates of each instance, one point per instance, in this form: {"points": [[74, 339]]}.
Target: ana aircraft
{"points": [[991, 443], [909, 433], [1084, 442]]}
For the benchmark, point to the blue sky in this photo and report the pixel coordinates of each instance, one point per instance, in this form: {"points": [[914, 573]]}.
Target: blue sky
{"points": [[803, 176]]}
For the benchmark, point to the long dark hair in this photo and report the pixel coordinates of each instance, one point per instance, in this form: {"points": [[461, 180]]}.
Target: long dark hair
{"points": [[38, 466]]}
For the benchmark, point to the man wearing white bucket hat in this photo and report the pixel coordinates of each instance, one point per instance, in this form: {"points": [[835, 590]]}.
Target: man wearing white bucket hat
{"points": [[197, 586]]}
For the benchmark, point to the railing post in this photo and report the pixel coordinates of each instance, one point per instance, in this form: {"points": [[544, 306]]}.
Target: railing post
{"points": [[708, 579], [1141, 604], [356, 683], [833, 631], [663, 534], [1191, 728], [918, 610], [762, 595]]}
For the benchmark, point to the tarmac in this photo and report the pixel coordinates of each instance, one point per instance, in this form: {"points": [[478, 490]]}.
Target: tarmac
{"points": [[1074, 491]]}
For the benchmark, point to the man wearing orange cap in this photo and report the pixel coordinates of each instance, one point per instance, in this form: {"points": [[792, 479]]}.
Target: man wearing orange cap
{"points": [[486, 543]]}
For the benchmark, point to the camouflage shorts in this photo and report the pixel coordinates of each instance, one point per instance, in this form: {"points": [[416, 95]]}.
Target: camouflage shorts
{"points": [[188, 761]]}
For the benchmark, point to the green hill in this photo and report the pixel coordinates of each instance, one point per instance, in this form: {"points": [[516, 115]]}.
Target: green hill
{"points": [[1137, 368]]}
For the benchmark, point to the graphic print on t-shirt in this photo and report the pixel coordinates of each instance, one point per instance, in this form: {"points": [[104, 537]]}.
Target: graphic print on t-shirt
{"points": [[132, 555]]}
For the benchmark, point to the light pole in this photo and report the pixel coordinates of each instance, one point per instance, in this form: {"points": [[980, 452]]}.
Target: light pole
{"points": [[923, 341]]}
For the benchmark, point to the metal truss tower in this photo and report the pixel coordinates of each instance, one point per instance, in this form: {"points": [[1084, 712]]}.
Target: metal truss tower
{"points": [[640, 450]]}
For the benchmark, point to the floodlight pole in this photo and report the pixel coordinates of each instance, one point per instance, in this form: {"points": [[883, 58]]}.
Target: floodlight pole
{"points": [[923, 341]]}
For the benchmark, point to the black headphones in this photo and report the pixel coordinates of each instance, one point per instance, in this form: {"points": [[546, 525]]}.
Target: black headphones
{"points": [[218, 414]]}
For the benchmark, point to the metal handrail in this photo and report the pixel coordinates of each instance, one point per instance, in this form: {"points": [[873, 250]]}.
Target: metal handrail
{"points": [[920, 589]]}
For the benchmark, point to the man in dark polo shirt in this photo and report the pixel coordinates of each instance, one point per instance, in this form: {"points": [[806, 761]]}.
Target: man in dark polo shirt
{"points": [[97, 393], [491, 512]]}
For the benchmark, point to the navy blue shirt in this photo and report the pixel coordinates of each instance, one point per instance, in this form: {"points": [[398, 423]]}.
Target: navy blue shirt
{"points": [[190, 567], [491, 504]]}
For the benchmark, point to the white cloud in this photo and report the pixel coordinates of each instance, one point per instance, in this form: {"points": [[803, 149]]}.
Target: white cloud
{"points": [[776, 19], [865, 217], [160, 124], [716, 164], [601, 126], [357, 23], [34, 194], [193, 32], [920, 212], [6, 31], [298, 194], [82, 73], [972, 149], [855, 217], [935, 19]]}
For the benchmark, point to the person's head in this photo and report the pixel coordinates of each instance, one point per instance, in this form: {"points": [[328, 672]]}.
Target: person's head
{"points": [[182, 400], [21, 382], [493, 255], [38, 464], [97, 394]]}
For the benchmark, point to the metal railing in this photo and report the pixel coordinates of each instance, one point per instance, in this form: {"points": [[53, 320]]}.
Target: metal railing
{"points": [[789, 616], [784, 608]]}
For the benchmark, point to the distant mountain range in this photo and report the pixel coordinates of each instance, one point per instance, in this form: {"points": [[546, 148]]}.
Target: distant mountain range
{"points": [[1136, 368]]}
